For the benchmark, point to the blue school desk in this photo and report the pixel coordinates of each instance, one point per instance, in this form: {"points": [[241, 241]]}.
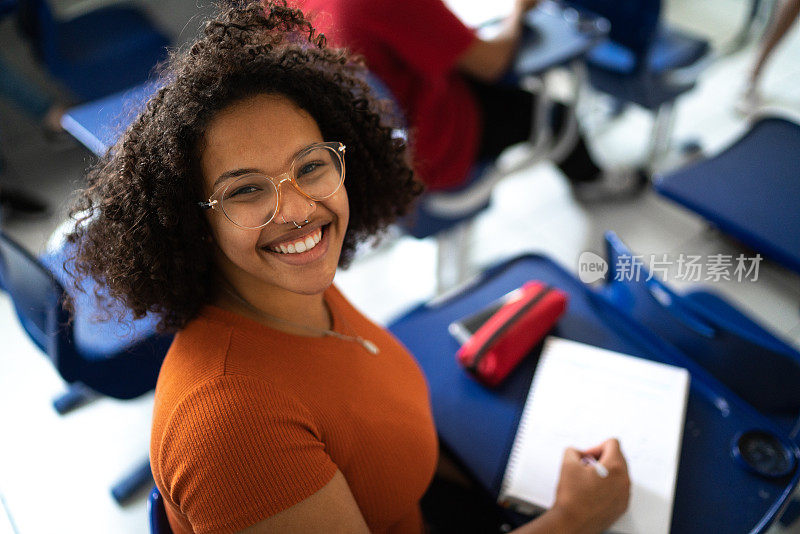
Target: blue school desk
{"points": [[554, 37], [750, 190], [715, 493]]}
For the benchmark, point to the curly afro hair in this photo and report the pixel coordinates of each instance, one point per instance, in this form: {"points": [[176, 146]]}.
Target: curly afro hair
{"points": [[139, 231]]}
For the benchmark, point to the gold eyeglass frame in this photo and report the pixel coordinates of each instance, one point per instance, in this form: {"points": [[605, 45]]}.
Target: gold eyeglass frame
{"points": [[276, 181]]}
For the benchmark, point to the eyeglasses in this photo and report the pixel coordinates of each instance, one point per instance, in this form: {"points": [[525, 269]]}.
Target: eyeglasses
{"points": [[252, 200]]}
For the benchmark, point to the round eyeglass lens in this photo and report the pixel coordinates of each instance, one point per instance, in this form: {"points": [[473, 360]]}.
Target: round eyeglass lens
{"points": [[250, 201], [318, 172]]}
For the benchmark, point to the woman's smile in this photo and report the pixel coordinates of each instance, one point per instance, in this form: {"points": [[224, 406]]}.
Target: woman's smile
{"points": [[298, 246], [302, 249]]}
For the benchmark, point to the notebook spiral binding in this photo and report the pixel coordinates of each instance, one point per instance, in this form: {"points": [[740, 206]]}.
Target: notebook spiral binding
{"points": [[522, 430]]}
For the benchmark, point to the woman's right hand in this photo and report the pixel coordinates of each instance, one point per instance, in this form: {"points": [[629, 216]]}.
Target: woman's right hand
{"points": [[586, 502]]}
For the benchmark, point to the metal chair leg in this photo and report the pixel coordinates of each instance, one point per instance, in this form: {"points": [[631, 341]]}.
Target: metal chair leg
{"points": [[661, 135], [76, 396], [453, 252], [138, 478], [564, 141]]}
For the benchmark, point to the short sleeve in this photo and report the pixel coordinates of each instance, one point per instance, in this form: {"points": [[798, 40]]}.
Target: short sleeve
{"points": [[236, 451], [424, 33]]}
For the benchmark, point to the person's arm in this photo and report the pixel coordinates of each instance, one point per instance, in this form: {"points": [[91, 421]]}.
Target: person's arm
{"points": [[488, 59], [331, 509], [237, 451], [585, 502]]}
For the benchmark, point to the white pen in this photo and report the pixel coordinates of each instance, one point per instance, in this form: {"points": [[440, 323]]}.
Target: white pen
{"points": [[602, 472]]}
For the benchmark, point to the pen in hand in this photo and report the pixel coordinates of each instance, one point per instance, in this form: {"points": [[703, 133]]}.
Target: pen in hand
{"points": [[602, 472]]}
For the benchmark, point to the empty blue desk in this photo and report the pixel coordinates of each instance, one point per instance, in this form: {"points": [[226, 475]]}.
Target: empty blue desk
{"points": [[714, 493], [751, 190], [98, 124]]}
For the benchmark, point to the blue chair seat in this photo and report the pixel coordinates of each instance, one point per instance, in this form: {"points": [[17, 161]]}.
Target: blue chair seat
{"points": [[612, 57], [750, 191], [616, 70], [675, 49], [644, 62], [641, 89], [714, 304], [671, 49], [424, 221]]}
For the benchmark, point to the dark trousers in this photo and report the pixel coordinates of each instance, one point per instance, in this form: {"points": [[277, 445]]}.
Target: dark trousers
{"points": [[507, 114], [450, 508]]}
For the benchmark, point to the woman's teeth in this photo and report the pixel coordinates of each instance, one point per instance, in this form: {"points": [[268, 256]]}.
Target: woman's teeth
{"points": [[299, 246]]}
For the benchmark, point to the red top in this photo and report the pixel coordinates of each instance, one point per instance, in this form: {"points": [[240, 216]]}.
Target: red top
{"points": [[249, 421], [413, 46]]}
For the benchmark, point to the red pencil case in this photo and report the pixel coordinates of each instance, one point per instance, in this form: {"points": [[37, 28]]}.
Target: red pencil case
{"points": [[501, 343]]}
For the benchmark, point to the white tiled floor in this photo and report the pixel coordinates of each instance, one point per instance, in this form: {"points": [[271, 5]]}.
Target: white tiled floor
{"points": [[55, 471]]}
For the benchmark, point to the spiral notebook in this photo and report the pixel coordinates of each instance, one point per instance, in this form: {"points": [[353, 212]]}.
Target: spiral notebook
{"points": [[580, 396]]}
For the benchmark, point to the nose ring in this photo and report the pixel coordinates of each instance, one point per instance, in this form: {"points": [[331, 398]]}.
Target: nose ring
{"points": [[298, 226]]}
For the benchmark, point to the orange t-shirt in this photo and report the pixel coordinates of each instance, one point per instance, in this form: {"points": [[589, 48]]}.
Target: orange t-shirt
{"points": [[249, 421]]}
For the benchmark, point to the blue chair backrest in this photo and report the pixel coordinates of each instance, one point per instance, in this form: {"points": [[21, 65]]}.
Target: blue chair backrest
{"points": [[757, 366], [118, 359], [35, 19], [37, 295], [633, 22]]}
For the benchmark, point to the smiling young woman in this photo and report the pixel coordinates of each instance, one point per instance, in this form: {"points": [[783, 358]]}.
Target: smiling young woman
{"points": [[225, 208]]}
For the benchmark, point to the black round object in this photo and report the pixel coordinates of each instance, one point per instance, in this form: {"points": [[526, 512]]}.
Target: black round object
{"points": [[764, 453]]}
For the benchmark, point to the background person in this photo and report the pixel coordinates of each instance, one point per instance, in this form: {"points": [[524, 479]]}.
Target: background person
{"points": [[784, 20], [445, 79]]}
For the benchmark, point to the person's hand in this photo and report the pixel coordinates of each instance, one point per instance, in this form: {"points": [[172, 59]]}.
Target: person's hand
{"points": [[523, 6], [588, 502]]}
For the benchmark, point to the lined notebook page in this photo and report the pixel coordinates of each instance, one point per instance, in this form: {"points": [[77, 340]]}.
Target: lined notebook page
{"points": [[582, 395]]}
